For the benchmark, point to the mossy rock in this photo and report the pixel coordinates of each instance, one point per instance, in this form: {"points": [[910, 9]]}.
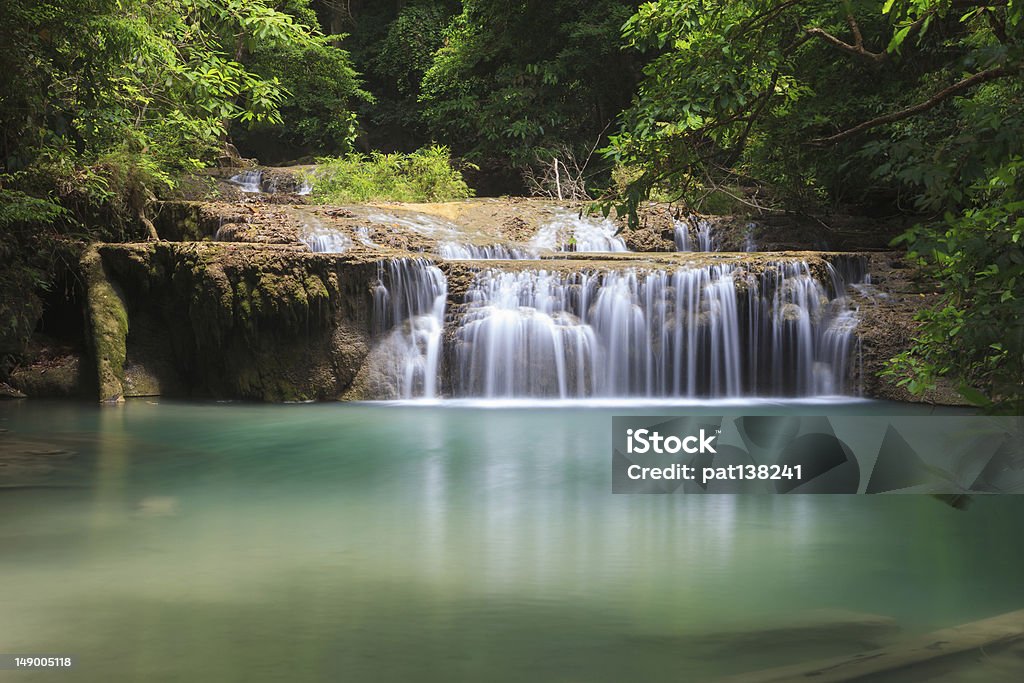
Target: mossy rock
{"points": [[107, 327]]}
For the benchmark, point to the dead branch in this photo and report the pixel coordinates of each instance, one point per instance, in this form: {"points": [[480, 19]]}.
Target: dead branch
{"points": [[560, 177]]}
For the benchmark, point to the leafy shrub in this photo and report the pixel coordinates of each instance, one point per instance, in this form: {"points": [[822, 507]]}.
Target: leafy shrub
{"points": [[425, 175], [975, 336]]}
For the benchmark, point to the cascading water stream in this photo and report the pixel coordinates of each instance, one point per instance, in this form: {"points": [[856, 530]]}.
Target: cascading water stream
{"points": [[749, 243], [519, 339], [457, 251], [574, 232], [325, 240], [250, 182], [409, 302], [712, 331], [700, 238]]}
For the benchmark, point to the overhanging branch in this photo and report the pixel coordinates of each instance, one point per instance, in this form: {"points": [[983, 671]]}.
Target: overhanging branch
{"points": [[857, 48], [931, 102]]}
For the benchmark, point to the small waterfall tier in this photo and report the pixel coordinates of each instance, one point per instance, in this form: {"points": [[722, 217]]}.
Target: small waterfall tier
{"points": [[324, 240], [250, 182], [708, 331], [574, 232], [456, 251], [409, 301], [698, 236], [256, 181]]}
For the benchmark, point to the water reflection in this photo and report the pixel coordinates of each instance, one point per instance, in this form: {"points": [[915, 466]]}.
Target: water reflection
{"points": [[401, 543]]}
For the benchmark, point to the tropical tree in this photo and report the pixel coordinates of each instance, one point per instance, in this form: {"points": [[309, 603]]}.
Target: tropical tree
{"points": [[515, 79], [897, 106], [105, 101]]}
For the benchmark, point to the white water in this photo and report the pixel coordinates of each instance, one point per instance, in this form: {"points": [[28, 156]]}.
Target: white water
{"points": [[711, 331], [457, 251], [699, 237], [322, 239], [250, 182], [572, 232], [519, 339], [363, 235], [409, 302], [749, 243]]}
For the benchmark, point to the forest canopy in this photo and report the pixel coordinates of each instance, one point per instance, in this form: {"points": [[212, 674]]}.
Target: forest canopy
{"points": [[899, 109]]}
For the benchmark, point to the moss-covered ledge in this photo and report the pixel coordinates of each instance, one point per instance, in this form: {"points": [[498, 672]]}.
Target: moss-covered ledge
{"points": [[225, 320], [107, 327]]}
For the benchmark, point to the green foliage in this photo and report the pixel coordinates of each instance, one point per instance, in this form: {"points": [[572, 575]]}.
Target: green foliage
{"points": [[26, 259], [320, 113], [405, 54], [976, 334], [894, 106], [512, 80], [733, 93], [393, 45], [148, 84], [105, 103], [422, 176], [407, 50]]}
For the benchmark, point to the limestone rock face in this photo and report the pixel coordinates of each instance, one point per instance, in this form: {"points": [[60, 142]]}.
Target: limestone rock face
{"points": [[57, 379], [108, 327], [226, 321], [270, 301]]}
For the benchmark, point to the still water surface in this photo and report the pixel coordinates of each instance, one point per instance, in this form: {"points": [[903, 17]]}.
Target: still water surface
{"points": [[361, 542]]}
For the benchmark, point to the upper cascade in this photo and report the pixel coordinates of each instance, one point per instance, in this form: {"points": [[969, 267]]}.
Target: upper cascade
{"points": [[250, 182], [569, 231], [324, 240], [697, 237], [459, 252], [272, 181]]}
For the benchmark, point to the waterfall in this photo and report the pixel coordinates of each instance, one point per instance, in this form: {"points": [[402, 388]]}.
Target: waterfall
{"points": [[701, 238], [250, 182], [409, 309], [324, 240], [574, 232], [363, 235], [518, 337], [749, 243], [456, 251], [837, 346], [709, 331]]}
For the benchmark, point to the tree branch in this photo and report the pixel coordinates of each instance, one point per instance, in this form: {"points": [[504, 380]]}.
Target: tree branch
{"points": [[933, 101], [857, 48]]}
